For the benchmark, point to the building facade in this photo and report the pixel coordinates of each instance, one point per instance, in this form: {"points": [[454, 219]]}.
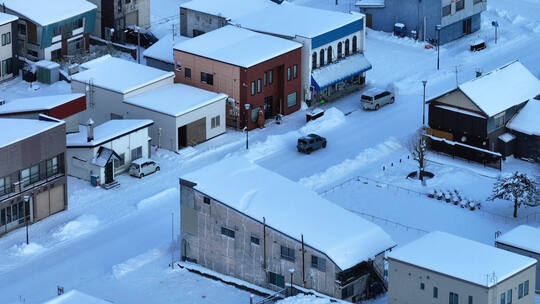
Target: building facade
{"points": [[32, 166], [51, 30], [8, 47], [456, 18], [118, 15]]}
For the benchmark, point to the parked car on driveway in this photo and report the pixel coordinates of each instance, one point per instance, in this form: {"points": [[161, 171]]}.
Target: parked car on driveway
{"points": [[143, 166], [373, 99], [310, 143]]}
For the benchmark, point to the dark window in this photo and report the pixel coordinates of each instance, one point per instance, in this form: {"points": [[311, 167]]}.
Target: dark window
{"points": [[321, 58], [207, 78], [354, 44], [197, 33], [347, 291], [227, 232], [347, 45], [3, 217], [520, 291], [255, 240], [276, 279], [22, 28], [270, 76], [503, 298], [78, 23], [206, 200], [339, 50], [187, 73], [291, 99], [265, 80], [477, 1], [252, 88], [470, 300], [447, 10], [422, 286], [435, 292], [454, 298], [259, 86], [329, 55], [509, 296], [319, 263], [314, 60], [526, 288], [295, 71], [287, 253], [460, 4], [57, 31], [289, 73]]}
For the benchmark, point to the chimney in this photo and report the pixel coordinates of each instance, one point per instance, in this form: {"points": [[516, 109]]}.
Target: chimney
{"points": [[90, 131], [478, 72]]}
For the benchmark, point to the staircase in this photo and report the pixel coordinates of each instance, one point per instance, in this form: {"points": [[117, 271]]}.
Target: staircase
{"points": [[112, 185]]}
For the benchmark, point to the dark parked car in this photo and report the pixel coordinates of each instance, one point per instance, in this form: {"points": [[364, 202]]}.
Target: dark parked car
{"points": [[147, 38], [310, 143]]}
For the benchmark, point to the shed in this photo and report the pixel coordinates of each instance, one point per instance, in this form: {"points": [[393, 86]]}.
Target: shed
{"points": [[48, 72], [183, 115]]}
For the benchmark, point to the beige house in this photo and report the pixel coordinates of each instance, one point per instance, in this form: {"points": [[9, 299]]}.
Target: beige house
{"points": [[244, 221], [8, 46], [443, 268]]}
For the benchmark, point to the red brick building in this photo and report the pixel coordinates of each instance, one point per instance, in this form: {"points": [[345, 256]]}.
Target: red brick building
{"points": [[252, 68]]}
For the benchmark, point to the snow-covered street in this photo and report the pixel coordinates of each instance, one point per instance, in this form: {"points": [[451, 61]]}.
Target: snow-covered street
{"points": [[116, 244]]}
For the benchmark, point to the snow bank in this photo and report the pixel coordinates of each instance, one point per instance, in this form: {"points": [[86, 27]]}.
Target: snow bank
{"points": [[332, 118], [26, 250], [348, 166], [303, 299], [120, 270], [164, 195], [73, 229]]}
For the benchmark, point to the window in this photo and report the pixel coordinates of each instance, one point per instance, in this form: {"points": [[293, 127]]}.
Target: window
{"points": [[136, 153], [422, 286], [252, 88], [435, 292], [5, 185], [4, 67], [197, 32], [454, 298], [206, 200], [499, 120], [460, 4], [339, 50], [520, 291], [314, 60], [276, 279], [207, 78], [287, 253], [3, 217], [291, 99], [255, 114], [347, 291], [509, 296], [347, 47], [526, 288], [328, 55], [295, 71], [34, 174], [128, 1], [354, 44], [447, 10], [477, 1], [265, 80], [119, 6], [6, 38], [52, 166], [120, 162], [259, 86], [187, 73], [289, 73], [321, 58], [78, 23], [57, 31], [470, 300], [503, 298], [227, 232], [255, 240], [318, 263], [22, 29], [215, 122], [270, 76]]}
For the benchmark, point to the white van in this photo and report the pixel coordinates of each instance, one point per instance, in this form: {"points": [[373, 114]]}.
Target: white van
{"points": [[373, 99], [143, 166]]}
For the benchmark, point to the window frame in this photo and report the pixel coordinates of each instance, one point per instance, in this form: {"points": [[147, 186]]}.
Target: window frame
{"points": [[295, 71], [446, 10], [253, 88], [138, 152], [289, 74], [270, 76], [287, 253], [318, 263], [259, 86], [207, 78], [228, 232], [187, 73], [435, 292], [460, 5], [255, 240], [289, 104]]}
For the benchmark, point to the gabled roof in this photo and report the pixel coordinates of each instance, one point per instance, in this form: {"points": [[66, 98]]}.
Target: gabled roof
{"points": [[103, 157], [502, 88], [20, 129], [293, 209], [523, 237], [49, 11], [237, 46], [461, 258], [527, 120], [106, 132], [6, 18], [40, 103], [119, 75]]}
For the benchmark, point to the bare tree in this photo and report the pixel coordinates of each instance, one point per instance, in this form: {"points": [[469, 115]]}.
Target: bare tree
{"points": [[518, 188], [417, 146]]}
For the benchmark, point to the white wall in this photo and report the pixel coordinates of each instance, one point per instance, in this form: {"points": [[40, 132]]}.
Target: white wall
{"points": [[214, 109], [6, 50]]}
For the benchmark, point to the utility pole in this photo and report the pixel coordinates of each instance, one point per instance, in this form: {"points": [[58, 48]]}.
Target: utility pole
{"points": [[138, 45], [172, 240], [173, 33], [438, 28], [424, 82]]}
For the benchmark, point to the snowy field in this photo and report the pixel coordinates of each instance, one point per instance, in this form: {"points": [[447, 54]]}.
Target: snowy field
{"points": [[116, 244]]}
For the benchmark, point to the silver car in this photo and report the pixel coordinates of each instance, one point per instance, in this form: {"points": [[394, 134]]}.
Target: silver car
{"points": [[373, 99], [143, 166]]}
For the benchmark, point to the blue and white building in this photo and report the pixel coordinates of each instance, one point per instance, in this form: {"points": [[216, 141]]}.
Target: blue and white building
{"points": [[457, 18]]}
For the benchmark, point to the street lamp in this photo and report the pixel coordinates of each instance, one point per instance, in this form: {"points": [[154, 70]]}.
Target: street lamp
{"points": [[26, 200], [291, 271], [438, 28], [246, 106], [424, 82]]}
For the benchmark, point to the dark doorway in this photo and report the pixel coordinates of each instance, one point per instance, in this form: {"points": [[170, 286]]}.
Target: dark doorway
{"points": [[467, 26], [268, 107], [369, 20], [182, 137], [109, 177]]}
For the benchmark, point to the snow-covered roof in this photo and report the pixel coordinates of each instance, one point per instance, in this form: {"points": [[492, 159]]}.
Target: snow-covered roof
{"points": [[76, 297], [37, 103], [20, 129], [527, 120], [502, 88], [341, 70], [50, 11], [6, 18], [106, 132], [507, 137], [453, 109], [343, 236], [237, 46], [524, 237], [175, 99], [119, 75], [229, 9], [461, 258], [370, 3], [46, 64], [163, 50], [288, 19]]}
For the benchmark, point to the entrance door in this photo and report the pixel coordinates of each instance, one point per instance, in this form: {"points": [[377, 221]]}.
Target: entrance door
{"points": [[467, 26], [268, 107], [369, 20], [182, 137], [109, 177]]}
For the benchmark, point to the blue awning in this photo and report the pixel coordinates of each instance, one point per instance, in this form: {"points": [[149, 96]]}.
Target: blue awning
{"points": [[339, 71]]}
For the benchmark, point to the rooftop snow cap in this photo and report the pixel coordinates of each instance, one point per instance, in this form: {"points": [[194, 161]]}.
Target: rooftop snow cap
{"points": [[90, 133]]}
